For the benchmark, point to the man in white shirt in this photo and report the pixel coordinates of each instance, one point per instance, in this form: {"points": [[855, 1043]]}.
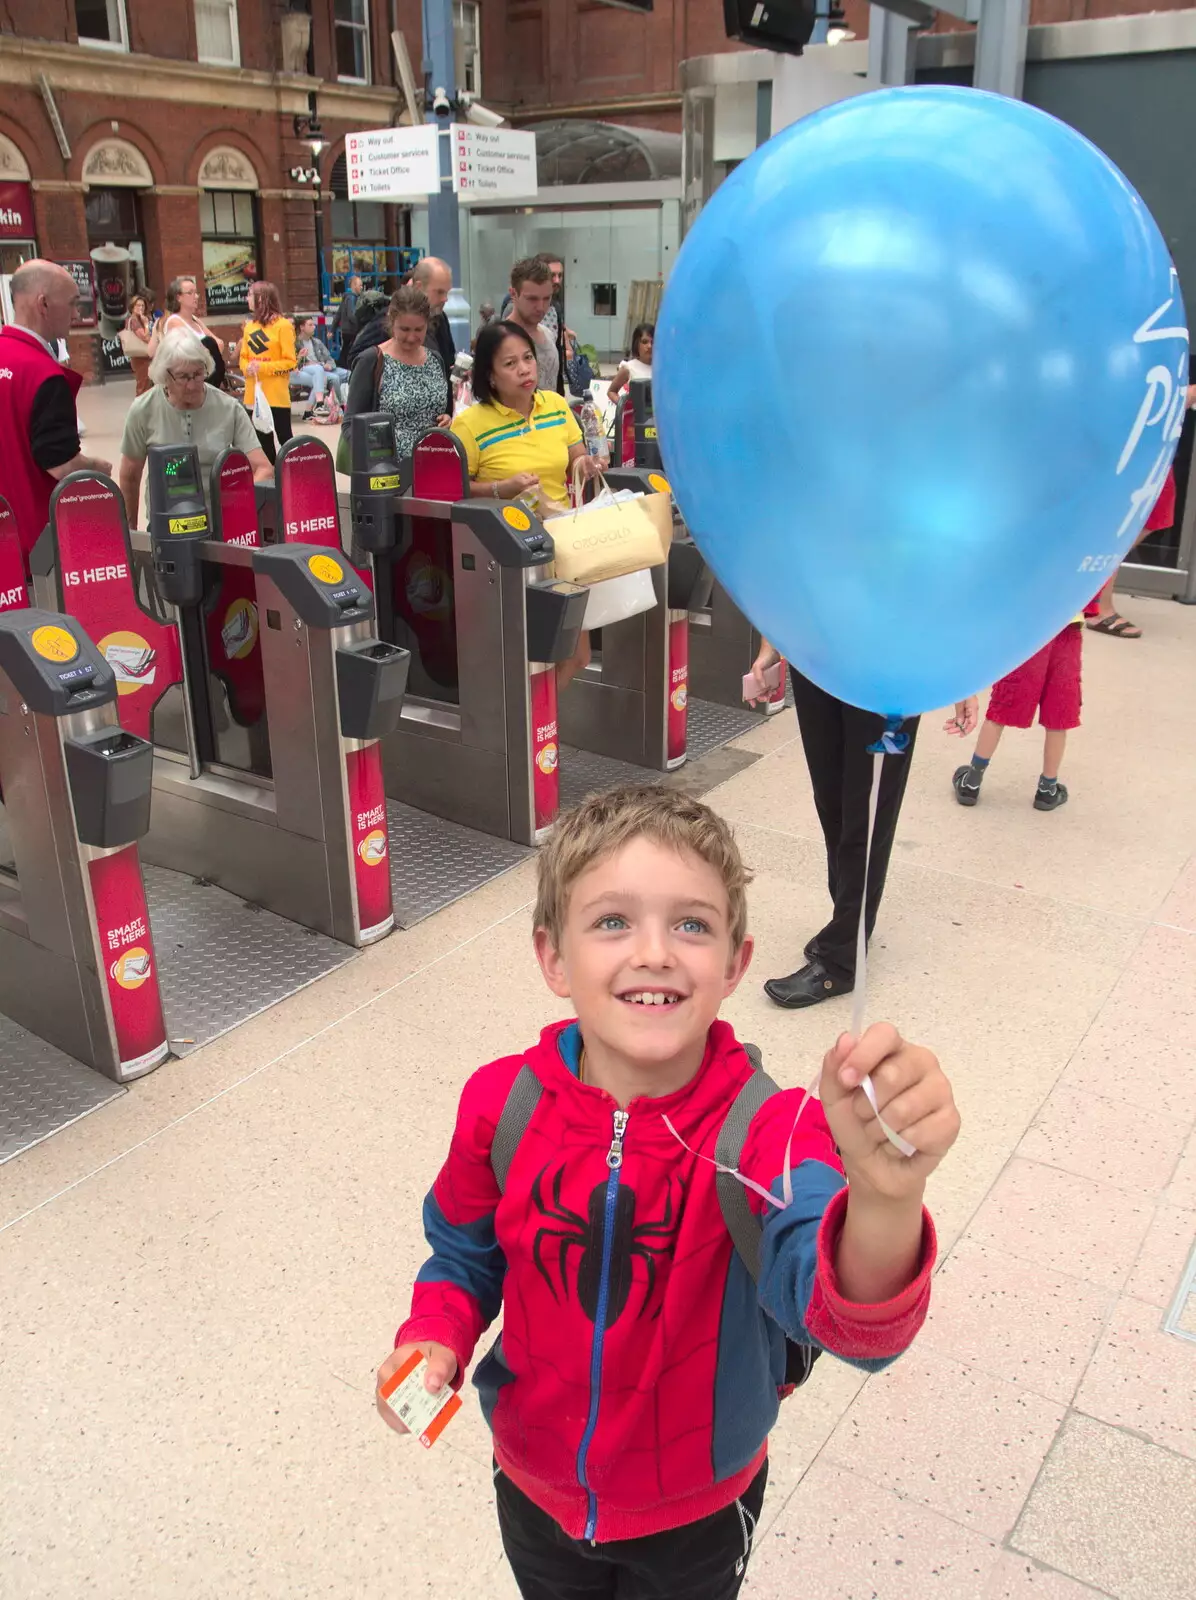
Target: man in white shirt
{"points": [[531, 297]]}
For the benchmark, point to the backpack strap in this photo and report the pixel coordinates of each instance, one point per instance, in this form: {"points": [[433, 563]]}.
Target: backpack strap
{"points": [[742, 1223], [522, 1099]]}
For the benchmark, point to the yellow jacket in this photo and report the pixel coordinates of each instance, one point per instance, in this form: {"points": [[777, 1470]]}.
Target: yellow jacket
{"points": [[273, 348]]}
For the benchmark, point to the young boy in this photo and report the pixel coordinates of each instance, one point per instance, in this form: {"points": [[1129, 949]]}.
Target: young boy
{"points": [[636, 1378], [1048, 683]]}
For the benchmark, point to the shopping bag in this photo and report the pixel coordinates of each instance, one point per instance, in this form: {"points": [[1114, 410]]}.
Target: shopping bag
{"points": [[616, 599], [263, 420], [617, 533]]}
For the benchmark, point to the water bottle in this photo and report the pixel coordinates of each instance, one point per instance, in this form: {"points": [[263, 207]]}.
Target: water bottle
{"points": [[591, 430]]}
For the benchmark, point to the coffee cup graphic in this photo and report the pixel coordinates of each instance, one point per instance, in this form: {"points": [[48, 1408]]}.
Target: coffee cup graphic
{"points": [[114, 279]]}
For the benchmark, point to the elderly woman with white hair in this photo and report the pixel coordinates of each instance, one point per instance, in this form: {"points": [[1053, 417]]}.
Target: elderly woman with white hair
{"points": [[182, 408]]}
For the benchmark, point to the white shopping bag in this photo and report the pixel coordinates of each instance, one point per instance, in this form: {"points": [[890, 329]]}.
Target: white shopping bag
{"points": [[263, 420], [616, 599]]}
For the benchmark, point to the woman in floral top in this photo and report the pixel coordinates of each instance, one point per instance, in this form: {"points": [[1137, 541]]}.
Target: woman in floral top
{"points": [[402, 376]]}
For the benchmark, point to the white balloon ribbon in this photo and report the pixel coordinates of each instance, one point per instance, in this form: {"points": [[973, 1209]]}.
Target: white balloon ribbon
{"points": [[891, 742]]}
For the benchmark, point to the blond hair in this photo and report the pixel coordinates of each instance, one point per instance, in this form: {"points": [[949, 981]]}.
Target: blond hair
{"points": [[606, 822]]}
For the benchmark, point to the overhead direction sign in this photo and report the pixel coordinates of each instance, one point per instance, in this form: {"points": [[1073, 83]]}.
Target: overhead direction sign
{"points": [[393, 163], [493, 163]]}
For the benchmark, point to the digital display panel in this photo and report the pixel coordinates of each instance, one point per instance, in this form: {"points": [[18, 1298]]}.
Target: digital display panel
{"points": [[180, 475]]}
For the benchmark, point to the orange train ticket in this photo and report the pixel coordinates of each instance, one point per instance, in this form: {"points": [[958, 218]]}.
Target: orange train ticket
{"points": [[424, 1414]]}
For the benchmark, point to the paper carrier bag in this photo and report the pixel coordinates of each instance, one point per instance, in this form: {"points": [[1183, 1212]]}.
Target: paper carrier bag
{"points": [[614, 535]]}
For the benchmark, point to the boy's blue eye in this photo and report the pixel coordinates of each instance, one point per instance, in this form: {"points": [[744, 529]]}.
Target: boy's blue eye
{"points": [[611, 923], [694, 925]]}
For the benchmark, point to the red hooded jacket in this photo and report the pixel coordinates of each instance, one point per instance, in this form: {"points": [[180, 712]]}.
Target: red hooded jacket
{"points": [[636, 1377]]}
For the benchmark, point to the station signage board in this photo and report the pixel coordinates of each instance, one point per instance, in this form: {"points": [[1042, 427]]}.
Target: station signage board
{"points": [[493, 163], [392, 163]]}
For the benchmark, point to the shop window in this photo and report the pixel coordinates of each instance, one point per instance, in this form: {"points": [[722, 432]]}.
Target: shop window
{"points": [[467, 40], [604, 299], [363, 220], [228, 228], [353, 40], [217, 38], [113, 214], [102, 22]]}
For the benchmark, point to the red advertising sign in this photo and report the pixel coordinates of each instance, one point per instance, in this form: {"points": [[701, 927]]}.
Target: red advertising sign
{"points": [[16, 211], [438, 467], [627, 436], [678, 689], [371, 844], [95, 585], [422, 594], [127, 953], [305, 477], [14, 596], [234, 500], [546, 779], [231, 619]]}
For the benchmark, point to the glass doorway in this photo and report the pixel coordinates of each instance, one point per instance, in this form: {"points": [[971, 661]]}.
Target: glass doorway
{"points": [[606, 251]]}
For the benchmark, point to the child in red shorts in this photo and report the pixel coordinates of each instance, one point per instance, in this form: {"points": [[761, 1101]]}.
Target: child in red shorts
{"points": [[1048, 683]]}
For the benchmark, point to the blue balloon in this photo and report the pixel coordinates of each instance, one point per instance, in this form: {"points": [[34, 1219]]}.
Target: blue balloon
{"points": [[919, 375]]}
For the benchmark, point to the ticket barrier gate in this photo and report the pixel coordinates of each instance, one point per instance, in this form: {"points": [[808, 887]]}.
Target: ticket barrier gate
{"points": [[463, 584], [77, 963], [267, 770], [723, 644]]}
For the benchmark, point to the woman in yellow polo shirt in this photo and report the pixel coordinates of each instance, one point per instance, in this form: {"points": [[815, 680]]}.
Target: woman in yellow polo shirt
{"points": [[268, 358], [520, 439]]}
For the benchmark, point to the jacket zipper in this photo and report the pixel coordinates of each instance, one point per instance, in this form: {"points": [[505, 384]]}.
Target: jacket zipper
{"points": [[614, 1160]]}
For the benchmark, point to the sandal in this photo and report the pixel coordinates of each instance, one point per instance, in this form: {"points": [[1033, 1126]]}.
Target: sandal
{"points": [[1116, 625]]}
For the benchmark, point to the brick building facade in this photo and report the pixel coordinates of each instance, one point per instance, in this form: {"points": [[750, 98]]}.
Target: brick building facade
{"points": [[133, 139], [561, 58], [165, 128]]}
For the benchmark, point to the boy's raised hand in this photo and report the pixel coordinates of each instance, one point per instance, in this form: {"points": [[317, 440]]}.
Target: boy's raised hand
{"points": [[914, 1098], [442, 1369]]}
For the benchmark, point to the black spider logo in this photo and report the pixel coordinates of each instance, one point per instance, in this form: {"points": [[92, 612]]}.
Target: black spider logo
{"points": [[645, 1240]]}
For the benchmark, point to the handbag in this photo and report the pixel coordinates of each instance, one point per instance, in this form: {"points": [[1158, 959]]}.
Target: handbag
{"points": [[132, 345], [614, 535]]}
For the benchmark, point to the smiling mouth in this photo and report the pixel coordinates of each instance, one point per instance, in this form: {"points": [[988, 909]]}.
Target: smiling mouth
{"points": [[652, 999]]}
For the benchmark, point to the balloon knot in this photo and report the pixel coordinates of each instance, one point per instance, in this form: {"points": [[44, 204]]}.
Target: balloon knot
{"points": [[892, 741]]}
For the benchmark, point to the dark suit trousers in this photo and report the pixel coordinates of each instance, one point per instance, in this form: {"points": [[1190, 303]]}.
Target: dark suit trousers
{"points": [[836, 737]]}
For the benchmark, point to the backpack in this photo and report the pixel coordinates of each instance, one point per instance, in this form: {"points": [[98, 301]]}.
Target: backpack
{"points": [[742, 1224]]}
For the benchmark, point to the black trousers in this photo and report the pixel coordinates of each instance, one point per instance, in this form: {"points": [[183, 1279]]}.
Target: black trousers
{"points": [[703, 1560], [835, 737], [282, 427]]}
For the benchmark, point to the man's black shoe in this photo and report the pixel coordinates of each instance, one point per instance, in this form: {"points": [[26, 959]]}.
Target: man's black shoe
{"points": [[806, 987]]}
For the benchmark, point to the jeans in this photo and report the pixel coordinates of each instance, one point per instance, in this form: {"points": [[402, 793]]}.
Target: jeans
{"points": [[704, 1560], [316, 379]]}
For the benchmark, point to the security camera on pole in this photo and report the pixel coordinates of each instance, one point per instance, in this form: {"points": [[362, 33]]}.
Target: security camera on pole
{"points": [[444, 227]]}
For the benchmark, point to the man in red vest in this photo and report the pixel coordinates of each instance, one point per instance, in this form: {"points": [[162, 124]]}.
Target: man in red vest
{"points": [[38, 422]]}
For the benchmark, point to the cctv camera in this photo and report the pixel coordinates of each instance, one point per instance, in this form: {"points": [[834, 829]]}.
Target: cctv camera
{"points": [[441, 105], [481, 114]]}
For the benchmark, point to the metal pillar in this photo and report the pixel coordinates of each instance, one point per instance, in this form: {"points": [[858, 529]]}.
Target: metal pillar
{"points": [[892, 43], [440, 72], [1001, 28], [1001, 47]]}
